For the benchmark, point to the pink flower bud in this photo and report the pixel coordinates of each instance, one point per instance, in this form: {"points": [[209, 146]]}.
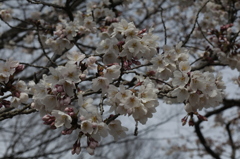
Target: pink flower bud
{"points": [[59, 88], [45, 117], [76, 147], [191, 122], [151, 73], [142, 31], [67, 132], [16, 94], [64, 132], [136, 62], [66, 101], [184, 120], [78, 150], [68, 109], [54, 91], [202, 118], [19, 68], [93, 144]]}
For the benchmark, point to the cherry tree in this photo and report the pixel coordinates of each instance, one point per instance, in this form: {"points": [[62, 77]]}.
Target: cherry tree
{"points": [[83, 66]]}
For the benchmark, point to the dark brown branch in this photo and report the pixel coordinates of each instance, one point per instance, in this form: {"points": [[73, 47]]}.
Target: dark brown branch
{"points": [[111, 118], [233, 154], [206, 65], [204, 142], [9, 114], [227, 104]]}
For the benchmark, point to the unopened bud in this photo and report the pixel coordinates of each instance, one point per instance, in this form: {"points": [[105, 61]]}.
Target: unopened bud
{"points": [[59, 88], [68, 109], [45, 117], [76, 147], [184, 120], [151, 73], [142, 31], [191, 122], [19, 68], [202, 118]]}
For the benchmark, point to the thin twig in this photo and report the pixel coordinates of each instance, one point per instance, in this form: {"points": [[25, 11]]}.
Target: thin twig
{"points": [[164, 26], [194, 25], [204, 35], [39, 39]]}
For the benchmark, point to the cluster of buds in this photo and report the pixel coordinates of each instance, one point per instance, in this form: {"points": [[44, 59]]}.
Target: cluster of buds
{"points": [[225, 39], [92, 144], [191, 121], [226, 46], [61, 95], [76, 147], [49, 120], [128, 63]]}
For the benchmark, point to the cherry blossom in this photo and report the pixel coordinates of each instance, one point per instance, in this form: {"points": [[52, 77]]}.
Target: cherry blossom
{"points": [[62, 119]]}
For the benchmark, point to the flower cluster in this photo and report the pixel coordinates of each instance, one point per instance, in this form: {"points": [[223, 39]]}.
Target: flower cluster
{"points": [[109, 74], [194, 88], [7, 69], [125, 71], [55, 94], [140, 102], [214, 15], [172, 59], [226, 47], [123, 39], [122, 46], [19, 93], [101, 10], [66, 32], [17, 89], [203, 90]]}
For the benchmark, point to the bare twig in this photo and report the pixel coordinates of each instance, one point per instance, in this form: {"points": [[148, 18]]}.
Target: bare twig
{"points": [[194, 25]]}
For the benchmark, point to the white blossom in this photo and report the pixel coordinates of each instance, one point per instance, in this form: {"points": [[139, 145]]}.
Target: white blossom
{"points": [[180, 79], [100, 83], [112, 72], [86, 127], [75, 56], [122, 27], [62, 119], [117, 130]]}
